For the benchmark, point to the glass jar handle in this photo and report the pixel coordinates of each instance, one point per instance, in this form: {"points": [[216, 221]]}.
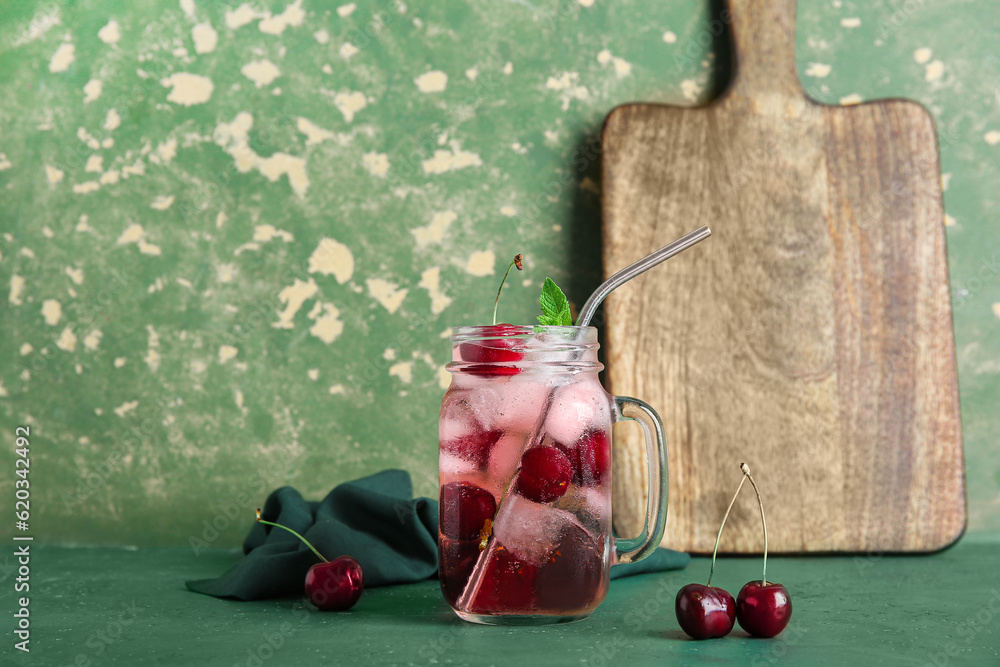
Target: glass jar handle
{"points": [[630, 550]]}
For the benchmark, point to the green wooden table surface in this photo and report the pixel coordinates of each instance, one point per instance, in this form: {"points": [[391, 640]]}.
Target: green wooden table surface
{"points": [[179, 326], [103, 606]]}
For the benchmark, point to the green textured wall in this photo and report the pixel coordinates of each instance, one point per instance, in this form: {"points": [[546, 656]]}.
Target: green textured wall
{"points": [[233, 237]]}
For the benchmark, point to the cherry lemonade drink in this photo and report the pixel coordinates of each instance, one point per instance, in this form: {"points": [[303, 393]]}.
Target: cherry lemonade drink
{"points": [[525, 473]]}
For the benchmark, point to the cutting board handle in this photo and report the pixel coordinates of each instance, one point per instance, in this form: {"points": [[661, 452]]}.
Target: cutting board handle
{"points": [[763, 34]]}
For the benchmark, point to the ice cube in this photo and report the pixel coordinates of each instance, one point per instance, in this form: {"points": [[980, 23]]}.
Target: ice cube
{"points": [[591, 506], [519, 403], [455, 467], [576, 408], [461, 431], [504, 459], [457, 417], [484, 402], [597, 503], [475, 446], [530, 530]]}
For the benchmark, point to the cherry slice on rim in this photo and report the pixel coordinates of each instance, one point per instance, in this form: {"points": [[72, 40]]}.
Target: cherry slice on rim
{"points": [[489, 354]]}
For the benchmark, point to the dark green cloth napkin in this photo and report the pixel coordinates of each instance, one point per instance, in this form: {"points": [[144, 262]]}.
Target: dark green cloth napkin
{"points": [[375, 519]]}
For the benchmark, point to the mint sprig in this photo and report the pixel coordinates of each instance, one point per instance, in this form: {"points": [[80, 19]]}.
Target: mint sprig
{"points": [[555, 306]]}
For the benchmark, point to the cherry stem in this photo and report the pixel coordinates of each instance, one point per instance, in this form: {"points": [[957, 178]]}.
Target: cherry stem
{"points": [[278, 525], [719, 538], [746, 471], [515, 262]]}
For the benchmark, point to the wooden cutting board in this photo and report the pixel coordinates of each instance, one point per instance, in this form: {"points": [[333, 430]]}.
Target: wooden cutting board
{"points": [[810, 336]]}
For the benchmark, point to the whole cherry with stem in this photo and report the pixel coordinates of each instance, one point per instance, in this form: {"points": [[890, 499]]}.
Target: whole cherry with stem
{"points": [[518, 262], [706, 611], [763, 608], [502, 349], [331, 585]]}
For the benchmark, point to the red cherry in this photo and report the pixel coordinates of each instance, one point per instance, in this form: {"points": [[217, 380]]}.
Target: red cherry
{"points": [[335, 586], [474, 447], [763, 608], [591, 458], [508, 585], [705, 611], [571, 577], [489, 354], [463, 510], [330, 585], [545, 474]]}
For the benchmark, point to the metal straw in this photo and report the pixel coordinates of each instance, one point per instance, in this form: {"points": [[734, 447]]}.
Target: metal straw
{"points": [[632, 270]]}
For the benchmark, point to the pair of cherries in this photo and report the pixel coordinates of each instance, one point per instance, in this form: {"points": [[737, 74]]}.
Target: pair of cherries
{"points": [[762, 608]]}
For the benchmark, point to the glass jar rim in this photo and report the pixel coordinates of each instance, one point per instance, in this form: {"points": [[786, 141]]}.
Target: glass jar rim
{"points": [[528, 348], [585, 334]]}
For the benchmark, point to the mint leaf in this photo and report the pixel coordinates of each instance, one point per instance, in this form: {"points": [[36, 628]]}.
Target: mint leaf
{"points": [[555, 306]]}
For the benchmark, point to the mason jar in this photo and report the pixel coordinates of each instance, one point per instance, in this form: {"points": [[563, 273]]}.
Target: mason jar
{"points": [[525, 462]]}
